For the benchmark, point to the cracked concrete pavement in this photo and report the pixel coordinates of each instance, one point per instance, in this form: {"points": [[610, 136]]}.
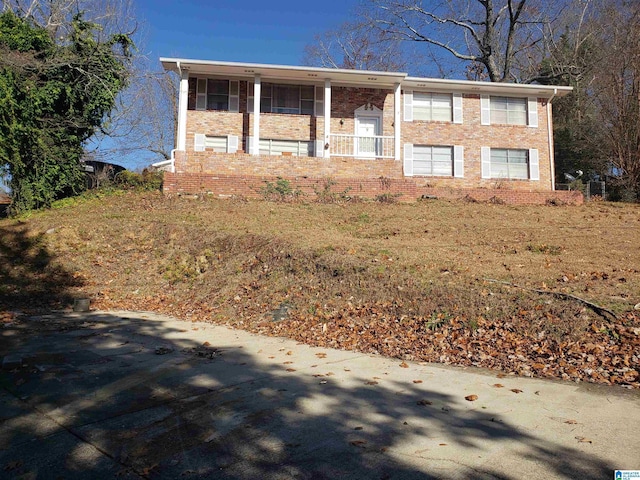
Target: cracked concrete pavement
{"points": [[139, 395]]}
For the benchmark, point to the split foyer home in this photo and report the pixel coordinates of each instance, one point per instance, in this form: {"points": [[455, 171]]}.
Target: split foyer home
{"points": [[241, 124]]}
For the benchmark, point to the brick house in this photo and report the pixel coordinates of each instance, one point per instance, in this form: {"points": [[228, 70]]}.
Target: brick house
{"points": [[242, 124]]}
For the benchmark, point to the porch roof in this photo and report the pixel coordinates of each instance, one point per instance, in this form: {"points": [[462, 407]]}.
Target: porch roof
{"points": [[247, 71], [365, 78]]}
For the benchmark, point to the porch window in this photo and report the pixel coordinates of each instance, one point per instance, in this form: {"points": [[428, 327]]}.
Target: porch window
{"points": [[292, 99], [296, 148], [213, 94]]}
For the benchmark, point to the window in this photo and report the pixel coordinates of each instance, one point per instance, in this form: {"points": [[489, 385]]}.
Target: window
{"points": [[292, 99], [508, 110], [442, 107], [217, 144], [511, 164], [297, 148], [432, 106], [432, 160], [211, 94]]}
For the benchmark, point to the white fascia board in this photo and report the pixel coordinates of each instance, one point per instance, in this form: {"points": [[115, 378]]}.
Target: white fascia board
{"points": [[495, 88]]}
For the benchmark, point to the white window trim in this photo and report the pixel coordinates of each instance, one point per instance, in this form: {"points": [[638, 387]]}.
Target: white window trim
{"points": [[531, 114], [533, 164]]}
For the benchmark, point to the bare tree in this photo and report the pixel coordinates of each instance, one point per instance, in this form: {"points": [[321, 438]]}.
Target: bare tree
{"points": [[497, 39], [354, 45], [616, 92]]}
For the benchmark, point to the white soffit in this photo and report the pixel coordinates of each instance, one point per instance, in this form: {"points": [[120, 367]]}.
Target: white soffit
{"points": [[495, 88], [373, 79], [284, 72]]}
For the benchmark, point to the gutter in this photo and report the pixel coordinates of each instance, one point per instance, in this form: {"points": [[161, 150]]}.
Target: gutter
{"points": [[552, 160]]}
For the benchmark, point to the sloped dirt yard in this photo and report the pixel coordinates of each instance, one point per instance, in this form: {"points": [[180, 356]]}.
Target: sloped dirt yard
{"points": [[545, 291]]}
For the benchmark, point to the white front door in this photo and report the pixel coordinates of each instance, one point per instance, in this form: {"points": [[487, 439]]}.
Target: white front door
{"points": [[366, 130]]}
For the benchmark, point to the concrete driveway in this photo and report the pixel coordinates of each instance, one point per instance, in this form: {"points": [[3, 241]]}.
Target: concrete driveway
{"points": [[138, 395]]}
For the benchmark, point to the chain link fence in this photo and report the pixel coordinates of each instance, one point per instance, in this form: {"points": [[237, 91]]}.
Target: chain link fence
{"points": [[592, 190]]}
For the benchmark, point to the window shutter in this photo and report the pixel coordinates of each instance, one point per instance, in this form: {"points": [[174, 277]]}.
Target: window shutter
{"points": [[249, 145], [534, 165], [408, 159], [234, 96], [457, 108], [319, 146], [201, 94], [232, 143], [458, 161], [485, 110], [250, 90], [408, 106], [199, 141], [485, 158], [533, 112], [319, 102]]}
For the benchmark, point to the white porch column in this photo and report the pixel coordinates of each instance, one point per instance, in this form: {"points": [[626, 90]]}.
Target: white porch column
{"points": [[396, 122], [254, 149], [183, 103], [327, 117]]}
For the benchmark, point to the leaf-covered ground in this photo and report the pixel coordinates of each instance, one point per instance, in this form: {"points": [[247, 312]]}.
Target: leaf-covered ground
{"points": [[414, 281]]}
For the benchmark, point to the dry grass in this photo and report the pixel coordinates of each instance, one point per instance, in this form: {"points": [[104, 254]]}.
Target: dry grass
{"points": [[238, 261]]}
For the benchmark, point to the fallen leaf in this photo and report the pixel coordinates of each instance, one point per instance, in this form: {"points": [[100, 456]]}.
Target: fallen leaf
{"points": [[471, 398], [404, 365], [358, 443], [583, 440], [442, 444], [321, 355], [372, 382], [498, 385], [206, 344], [289, 352], [417, 381], [287, 363], [501, 375], [516, 390], [571, 422], [358, 428], [291, 369], [424, 402]]}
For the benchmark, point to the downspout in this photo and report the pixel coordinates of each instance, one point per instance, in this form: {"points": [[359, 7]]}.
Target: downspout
{"points": [[552, 159]]}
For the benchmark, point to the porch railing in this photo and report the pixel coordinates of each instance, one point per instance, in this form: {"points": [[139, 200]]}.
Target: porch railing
{"points": [[377, 146]]}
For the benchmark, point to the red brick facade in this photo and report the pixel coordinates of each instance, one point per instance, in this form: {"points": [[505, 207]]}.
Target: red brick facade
{"points": [[243, 174], [403, 190]]}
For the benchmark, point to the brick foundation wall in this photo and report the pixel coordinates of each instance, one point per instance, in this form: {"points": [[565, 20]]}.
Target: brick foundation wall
{"points": [[224, 185]]}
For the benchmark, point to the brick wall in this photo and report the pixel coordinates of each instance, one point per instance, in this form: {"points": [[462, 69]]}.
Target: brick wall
{"points": [[345, 100], [472, 135], [224, 185]]}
